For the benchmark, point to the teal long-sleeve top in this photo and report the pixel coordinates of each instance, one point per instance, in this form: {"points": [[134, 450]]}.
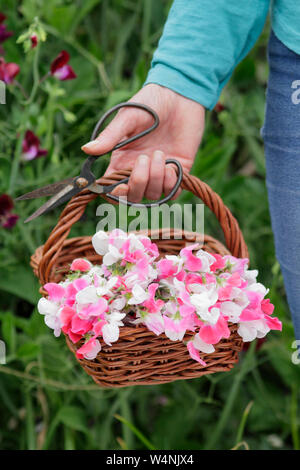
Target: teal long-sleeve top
{"points": [[204, 40]]}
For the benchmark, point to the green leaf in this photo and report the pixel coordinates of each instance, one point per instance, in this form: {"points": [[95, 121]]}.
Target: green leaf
{"points": [[9, 332], [73, 417], [20, 281], [28, 350]]}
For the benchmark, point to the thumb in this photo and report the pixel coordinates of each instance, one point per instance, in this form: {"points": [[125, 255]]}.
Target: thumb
{"points": [[111, 135]]}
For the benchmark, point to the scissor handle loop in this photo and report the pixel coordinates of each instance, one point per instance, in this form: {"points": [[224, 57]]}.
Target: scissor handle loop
{"points": [[129, 104]]}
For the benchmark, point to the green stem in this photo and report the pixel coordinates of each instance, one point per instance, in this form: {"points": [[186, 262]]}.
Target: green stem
{"points": [[17, 156], [36, 77]]}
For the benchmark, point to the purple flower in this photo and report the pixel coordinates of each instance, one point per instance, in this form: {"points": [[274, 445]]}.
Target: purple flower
{"points": [[60, 68], [7, 219], [4, 34], [31, 147]]}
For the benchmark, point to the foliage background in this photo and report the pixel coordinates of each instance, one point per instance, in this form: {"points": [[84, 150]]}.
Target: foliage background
{"points": [[46, 401]]}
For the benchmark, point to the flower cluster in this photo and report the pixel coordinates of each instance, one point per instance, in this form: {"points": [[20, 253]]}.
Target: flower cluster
{"points": [[195, 292]]}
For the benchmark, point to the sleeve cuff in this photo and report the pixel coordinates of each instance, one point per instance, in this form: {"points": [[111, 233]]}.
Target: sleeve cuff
{"points": [[175, 80]]}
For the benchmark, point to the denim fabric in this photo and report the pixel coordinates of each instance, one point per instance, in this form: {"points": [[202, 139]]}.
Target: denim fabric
{"points": [[281, 134]]}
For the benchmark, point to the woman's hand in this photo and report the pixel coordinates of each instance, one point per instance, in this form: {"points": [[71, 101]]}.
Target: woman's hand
{"points": [[177, 136]]}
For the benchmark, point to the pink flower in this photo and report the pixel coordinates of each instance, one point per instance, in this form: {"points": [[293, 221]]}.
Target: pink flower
{"points": [[60, 68], [89, 350], [194, 353], [31, 147], [212, 334], [152, 305], [267, 307], [80, 264], [7, 219], [166, 268], [218, 264], [8, 71], [192, 262], [55, 291]]}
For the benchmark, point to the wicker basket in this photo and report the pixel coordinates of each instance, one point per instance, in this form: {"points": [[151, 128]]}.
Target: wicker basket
{"points": [[140, 357]]}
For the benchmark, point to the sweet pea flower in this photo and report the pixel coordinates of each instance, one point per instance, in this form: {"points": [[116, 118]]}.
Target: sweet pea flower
{"points": [[112, 256], [139, 295], [50, 310], [8, 71], [60, 69], [7, 219], [100, 242], [194, 353], [191, 262], [199, 293], [80, 264], [89, 350], [31, 147]]}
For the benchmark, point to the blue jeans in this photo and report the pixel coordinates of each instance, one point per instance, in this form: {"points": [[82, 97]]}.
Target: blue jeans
{"points": [[281, 134]]}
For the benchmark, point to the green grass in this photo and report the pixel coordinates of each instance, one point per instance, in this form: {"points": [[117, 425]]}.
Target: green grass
{"points": [[47, 401]]}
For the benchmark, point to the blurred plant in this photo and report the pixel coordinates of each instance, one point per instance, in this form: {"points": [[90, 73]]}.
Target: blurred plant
{"points": [[46, 401], [7, 219]]}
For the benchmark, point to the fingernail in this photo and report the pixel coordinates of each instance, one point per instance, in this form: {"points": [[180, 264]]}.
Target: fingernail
{"points": [[158, 155], [90, 144], [143, 159]]}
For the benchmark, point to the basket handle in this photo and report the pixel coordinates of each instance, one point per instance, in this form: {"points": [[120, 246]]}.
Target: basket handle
{"points": [[75, 208]]}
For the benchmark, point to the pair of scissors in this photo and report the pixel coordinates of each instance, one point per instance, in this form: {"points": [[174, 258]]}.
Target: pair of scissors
{"points": [[64, 190]]}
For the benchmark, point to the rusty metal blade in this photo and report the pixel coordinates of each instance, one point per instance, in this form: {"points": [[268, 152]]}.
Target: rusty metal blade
{"points": [[48, 190], [62, 196]]}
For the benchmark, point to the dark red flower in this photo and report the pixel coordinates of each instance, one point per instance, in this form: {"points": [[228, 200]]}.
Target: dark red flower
{"points": [[8, 71], [34, 41], [219, 107], [60, 68], [4, 34], [7, 219], [31, 147]]}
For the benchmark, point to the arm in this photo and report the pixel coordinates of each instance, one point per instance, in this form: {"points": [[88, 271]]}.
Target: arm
{"points": [[202, 42]]}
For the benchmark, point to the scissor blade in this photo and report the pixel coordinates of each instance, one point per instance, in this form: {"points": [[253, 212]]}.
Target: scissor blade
{"points": [[48, 190], [62, 196]]}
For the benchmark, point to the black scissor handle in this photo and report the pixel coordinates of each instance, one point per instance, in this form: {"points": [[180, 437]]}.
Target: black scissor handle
{"points": [[156, 203], [130, 104]]}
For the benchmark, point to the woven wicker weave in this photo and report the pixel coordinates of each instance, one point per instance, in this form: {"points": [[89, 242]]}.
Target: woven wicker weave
{"points": [[140, 357]]}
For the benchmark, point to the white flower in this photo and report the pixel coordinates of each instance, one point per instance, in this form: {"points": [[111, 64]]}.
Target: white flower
{"points": [[118, 304], [100, 242], [115, 317], [253, 329], [139, 295], [202, 346], [46, 307], [110, 333], [105, 286], [250, 276], [88, 295], [258, 287], [175, 335], [206, 259], [112, 256], [51, 311], [232, 310], [203, 301]]}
